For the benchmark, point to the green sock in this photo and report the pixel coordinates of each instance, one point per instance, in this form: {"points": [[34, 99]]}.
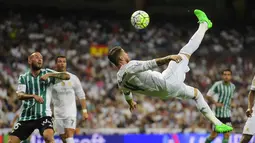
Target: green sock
{"points": [[208, 140], [225, 140]]}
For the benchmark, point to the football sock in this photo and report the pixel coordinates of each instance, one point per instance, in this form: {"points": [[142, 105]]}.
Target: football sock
{"points": [[195, 40]]}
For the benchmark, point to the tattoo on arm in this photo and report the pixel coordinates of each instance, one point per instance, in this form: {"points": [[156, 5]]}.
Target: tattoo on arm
{"points": [[61, 75], [164, 60]]}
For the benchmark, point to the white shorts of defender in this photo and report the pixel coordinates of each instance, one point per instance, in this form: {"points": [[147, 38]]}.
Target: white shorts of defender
{"points": [[249, 127], [61, 124]]}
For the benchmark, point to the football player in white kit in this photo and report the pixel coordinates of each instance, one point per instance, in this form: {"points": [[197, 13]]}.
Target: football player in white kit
{"points": [[64, 102], [249, 127], [136, 76]]}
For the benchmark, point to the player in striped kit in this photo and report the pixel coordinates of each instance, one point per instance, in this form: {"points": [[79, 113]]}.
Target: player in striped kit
{"points": [[223, 90], [249, 128], [35, 92]]}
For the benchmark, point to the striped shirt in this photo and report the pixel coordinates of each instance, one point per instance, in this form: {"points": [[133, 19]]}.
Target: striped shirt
{"points": [[224, 93], [32, 110]]}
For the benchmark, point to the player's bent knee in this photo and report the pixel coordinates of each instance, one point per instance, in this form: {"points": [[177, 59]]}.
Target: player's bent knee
{"points": [[13, 139], [48, 135], [195, 93]]}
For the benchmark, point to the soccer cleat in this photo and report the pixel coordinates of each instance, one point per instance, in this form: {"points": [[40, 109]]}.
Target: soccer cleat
{"points": [[223, 128], [201, 16]]}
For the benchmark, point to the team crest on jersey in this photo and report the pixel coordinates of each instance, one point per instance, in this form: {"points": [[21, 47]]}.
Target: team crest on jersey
{"points": [[69, 83]]}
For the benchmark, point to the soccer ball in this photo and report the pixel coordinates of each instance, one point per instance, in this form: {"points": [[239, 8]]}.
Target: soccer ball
{"points": [[140, 19]]}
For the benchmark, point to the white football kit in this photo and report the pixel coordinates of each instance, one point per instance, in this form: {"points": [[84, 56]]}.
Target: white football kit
{"points": [[63, 98], [249, 127], [137, 77]]}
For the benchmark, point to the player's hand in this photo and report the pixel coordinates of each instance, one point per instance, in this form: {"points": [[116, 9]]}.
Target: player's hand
{"points": [[132, 105], [85, 115], [176, 58], [219, 104], [249, 112], [45, 77], [38, 99]]}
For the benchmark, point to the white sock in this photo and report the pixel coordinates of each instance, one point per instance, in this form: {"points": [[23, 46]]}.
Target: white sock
{"points": [[69, 140], [205, 109], [195, 40]]}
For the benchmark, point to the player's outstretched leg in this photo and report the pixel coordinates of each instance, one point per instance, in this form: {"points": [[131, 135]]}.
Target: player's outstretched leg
{"points": [[204, 108], [194, 42]]}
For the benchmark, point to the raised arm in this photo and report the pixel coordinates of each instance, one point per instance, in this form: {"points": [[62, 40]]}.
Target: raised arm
{"points": [[55, 74], [140, 66], [167, 59], [59, 75]]}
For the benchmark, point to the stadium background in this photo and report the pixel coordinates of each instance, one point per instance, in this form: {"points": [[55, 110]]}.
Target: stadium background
{"points": [[84, 30]]}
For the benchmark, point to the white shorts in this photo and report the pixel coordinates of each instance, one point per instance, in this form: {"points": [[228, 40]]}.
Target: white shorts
{"points": [[249, 127], [175, 75], [62, 124]]}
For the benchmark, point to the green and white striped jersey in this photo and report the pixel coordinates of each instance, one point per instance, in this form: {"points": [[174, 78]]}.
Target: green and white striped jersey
{"points": [[32, 110], [224, 93]]}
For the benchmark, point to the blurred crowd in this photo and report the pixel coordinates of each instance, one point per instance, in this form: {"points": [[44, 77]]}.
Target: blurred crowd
{"points": [[73, 37]]}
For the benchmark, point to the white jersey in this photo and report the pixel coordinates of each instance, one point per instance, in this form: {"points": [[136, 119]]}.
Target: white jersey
{"points": [[137, 77], [253, 89], [249, 127], [63, 97]]}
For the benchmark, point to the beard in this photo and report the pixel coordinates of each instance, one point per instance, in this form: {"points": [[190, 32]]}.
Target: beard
{"points": [[36, 67]]}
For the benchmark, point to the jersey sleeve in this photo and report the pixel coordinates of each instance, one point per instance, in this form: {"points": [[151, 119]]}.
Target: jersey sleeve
{"points": [[213, 90], [78, 88], [253, 84], [128, 95], [140, 66], [21, 85]]}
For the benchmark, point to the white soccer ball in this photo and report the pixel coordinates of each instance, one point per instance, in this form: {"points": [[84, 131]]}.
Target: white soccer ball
{"points": [[140, 19]]}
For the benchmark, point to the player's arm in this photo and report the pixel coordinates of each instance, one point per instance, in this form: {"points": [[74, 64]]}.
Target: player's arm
{"points": [[55, 74], [213, 91], [251, 99], [21, 92], [81, 95], [129, 98], [24, 96], [140, 66], [167, 59], [58, 75]]}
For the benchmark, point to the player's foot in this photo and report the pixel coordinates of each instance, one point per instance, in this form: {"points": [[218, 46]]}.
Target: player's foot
{"points": [[223, 128], [201, 16]]}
